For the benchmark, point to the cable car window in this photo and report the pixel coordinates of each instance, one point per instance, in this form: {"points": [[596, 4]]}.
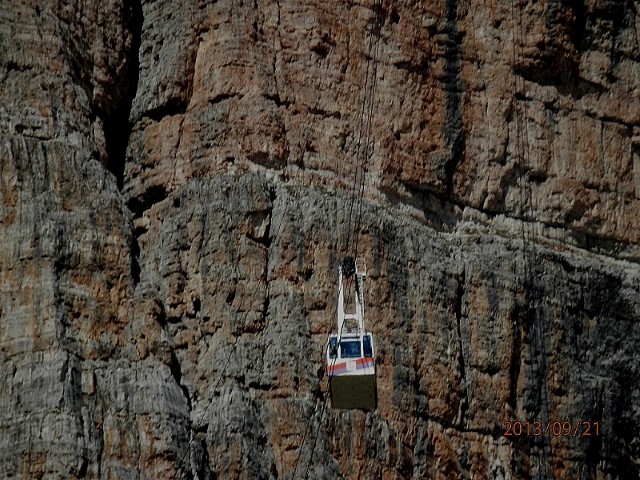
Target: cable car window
{"points": [[350, 349], [366, 346], [333, 347]]}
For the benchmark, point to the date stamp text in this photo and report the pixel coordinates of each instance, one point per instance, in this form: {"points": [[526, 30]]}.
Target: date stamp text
{"points": [[551, 428]]}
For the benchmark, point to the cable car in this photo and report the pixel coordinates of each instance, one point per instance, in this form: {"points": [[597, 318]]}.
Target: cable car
{"points": [[350, 351]]}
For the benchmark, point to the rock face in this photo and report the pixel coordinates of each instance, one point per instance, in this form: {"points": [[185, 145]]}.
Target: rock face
{"points": [[179, 183]]}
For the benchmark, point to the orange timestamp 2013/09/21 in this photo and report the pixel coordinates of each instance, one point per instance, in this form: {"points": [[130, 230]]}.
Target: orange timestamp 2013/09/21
{"points": [[552, 428]]}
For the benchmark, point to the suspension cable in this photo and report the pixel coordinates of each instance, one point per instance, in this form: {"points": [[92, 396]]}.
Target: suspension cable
{"points": [[370, 144], [531, 287], [364, 128], [362, 160]]}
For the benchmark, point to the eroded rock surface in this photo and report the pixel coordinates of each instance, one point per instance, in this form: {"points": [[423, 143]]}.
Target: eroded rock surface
{"points": [[179, 183]]}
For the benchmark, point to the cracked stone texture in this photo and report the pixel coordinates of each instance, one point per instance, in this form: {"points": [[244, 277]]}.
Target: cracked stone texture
{"points": [[176, 181]]}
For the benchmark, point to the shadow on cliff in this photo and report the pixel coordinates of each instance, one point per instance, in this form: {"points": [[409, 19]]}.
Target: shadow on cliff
{"points": [[117, 126]]}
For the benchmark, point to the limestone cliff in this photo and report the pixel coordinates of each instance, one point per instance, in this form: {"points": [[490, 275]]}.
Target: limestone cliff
{"points": [[178, 182]]}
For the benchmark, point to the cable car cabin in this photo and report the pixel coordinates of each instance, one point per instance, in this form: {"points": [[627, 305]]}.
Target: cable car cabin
{"points": [[352, 371], [350, 352]]}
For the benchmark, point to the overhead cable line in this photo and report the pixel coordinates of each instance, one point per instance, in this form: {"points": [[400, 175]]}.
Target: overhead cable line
{"points": [[365, 117], [361, 168], [532, 292]]}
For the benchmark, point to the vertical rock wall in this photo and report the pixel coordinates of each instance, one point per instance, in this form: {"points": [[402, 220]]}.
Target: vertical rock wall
{"points": [[176, 185]]}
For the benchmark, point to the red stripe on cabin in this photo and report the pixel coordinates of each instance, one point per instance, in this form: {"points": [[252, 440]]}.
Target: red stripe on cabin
{"points": [[364, 363], [337, 369], [341, 368]]}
